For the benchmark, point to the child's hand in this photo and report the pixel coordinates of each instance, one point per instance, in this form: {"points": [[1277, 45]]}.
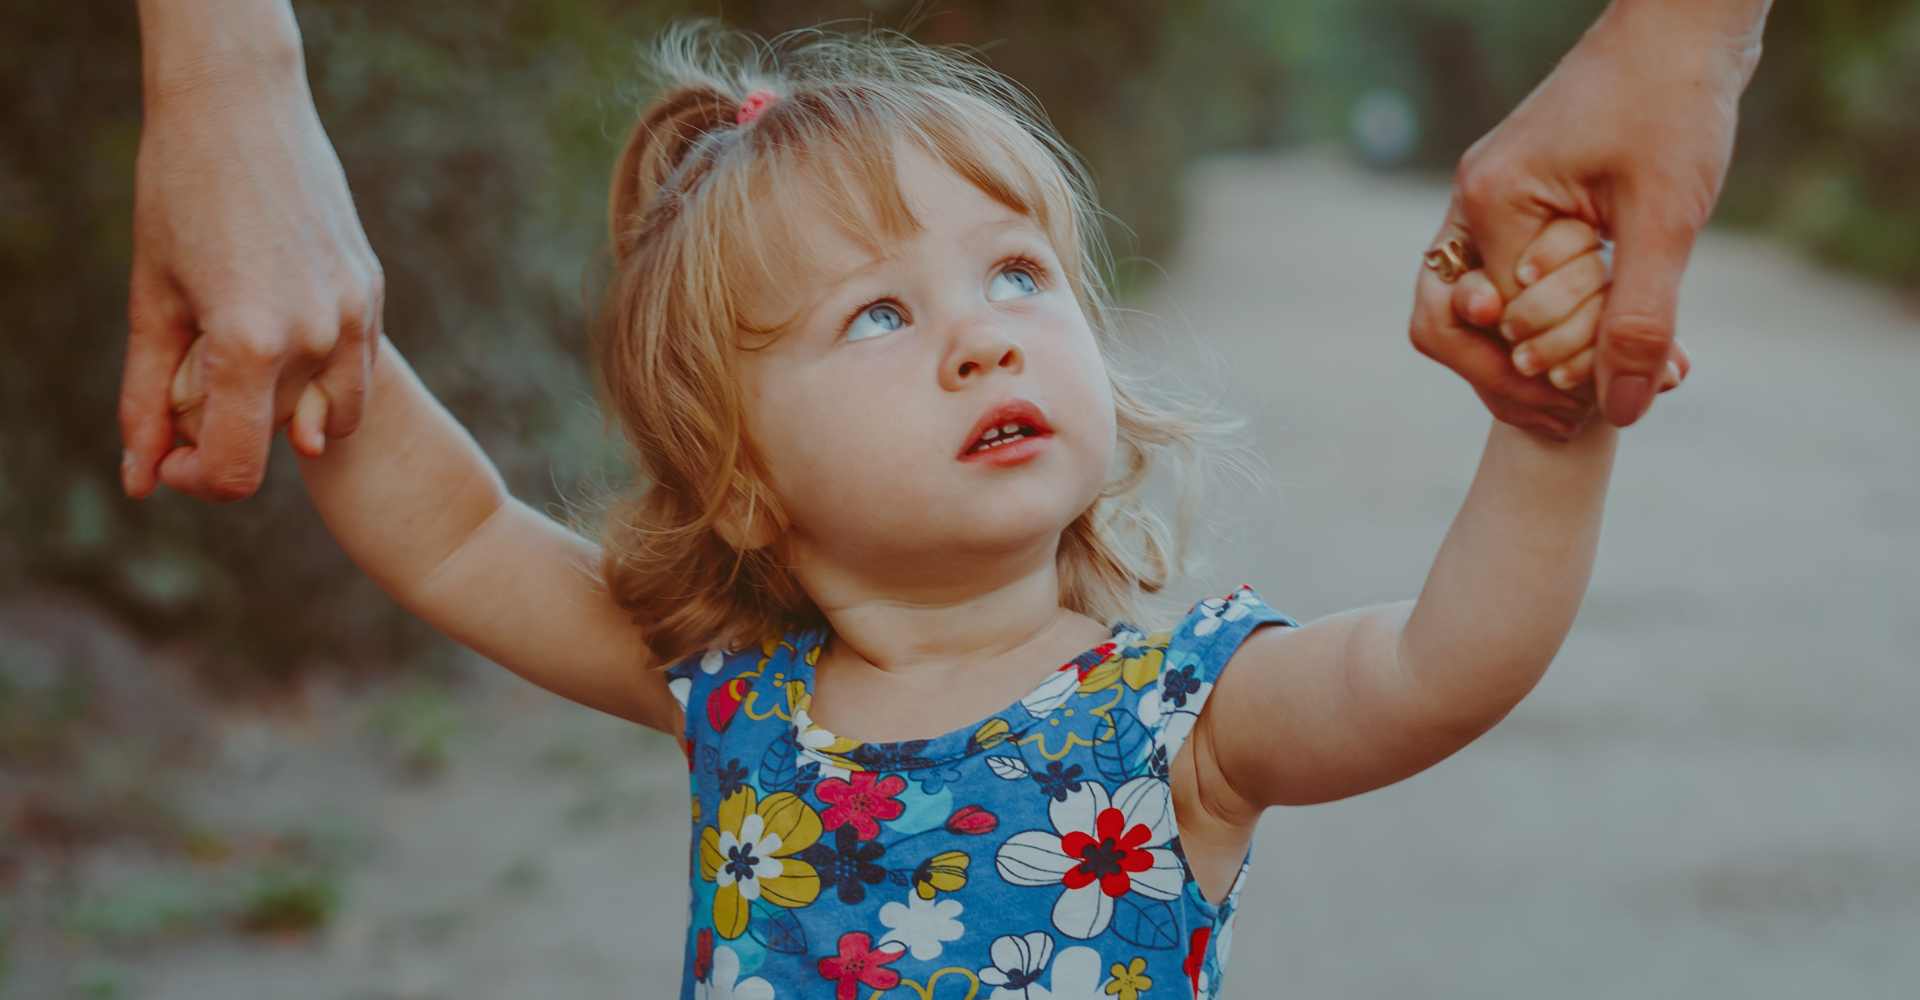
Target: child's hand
{"points": [[1554, 320], [188, 393]]}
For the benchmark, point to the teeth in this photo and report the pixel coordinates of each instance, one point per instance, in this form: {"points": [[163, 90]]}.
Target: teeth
{"points": [[1009, 428], [990, 433]]}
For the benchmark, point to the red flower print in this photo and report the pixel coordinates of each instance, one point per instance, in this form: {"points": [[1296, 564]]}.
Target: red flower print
{"points": [[972, 820], [1196, 957], [1108, 854], [724, 702], [861, 801], [859, 965], [703, 954]]}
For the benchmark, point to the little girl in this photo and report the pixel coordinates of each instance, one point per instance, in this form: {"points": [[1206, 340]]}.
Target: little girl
{"points": [[878, 582]]}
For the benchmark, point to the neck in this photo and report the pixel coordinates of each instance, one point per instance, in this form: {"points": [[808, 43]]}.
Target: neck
{"points": [[965, 612]]}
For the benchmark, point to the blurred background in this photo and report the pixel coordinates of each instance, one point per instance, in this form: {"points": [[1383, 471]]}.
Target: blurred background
{"points": [[231, 767]]}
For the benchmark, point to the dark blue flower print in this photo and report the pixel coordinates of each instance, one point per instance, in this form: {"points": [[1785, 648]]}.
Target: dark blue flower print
{"points": [[932, 779], [848, 865], [1176, 685], [731, 776], [1057, 781], [890, 756]]}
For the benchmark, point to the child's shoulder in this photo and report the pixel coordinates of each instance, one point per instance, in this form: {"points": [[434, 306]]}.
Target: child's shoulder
{"points": [[1214, 622]]}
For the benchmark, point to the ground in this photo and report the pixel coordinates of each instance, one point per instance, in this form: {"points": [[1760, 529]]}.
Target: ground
{"points": [[1711, 794]]}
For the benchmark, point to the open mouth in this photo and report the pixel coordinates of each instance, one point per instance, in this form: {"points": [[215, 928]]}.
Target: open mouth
{"points": [[1006, 426]]}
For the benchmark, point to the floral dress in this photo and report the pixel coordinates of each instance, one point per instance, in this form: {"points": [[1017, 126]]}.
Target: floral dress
{"points": [[1031, 855]]}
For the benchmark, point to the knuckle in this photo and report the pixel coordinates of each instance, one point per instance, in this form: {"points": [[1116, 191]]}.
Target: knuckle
{"points": [[244, 340], [1639, 342], [1480, 178], [314, 340]]}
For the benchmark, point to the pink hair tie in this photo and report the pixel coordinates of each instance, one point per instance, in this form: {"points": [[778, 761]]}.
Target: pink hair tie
{"points": [[750, 108]]}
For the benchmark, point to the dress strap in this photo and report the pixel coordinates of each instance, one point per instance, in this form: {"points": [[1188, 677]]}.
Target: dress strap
{"points": [[1200, 648]]}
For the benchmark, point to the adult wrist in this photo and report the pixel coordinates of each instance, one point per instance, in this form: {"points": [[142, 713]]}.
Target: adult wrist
{"points": [[1728, 30], [191, 46]]}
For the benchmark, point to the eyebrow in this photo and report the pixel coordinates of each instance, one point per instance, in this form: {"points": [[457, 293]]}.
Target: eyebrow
{"points": [[972, 235]]}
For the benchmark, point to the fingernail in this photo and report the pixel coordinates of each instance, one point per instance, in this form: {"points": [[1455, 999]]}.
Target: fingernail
{"points": [[1506, 330], [1561, 378], [1483, 302], [1526, 274], [1627, 398], [126, 471], [1523, 360]]}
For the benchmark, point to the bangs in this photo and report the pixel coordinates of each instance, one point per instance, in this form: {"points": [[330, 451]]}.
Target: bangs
{"points": [[831, 151]]}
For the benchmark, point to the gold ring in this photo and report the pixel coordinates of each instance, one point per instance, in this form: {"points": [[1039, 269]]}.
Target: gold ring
{"points": [[1450, 260]]}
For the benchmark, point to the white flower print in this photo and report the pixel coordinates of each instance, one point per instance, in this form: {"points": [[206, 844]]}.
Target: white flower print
{"points": [[712, 660], [814, 742], [1018, 963], [682, 689], [1215, 611], [1100, 849], [755, 862], [1052, 693], [922, 924], [725, 984]]}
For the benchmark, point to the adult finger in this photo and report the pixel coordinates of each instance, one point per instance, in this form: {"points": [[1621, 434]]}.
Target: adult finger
{"points": [[238, 375], [1651, 247], [1488, 203], [1475, 301], [349, 369], [157, 339]]}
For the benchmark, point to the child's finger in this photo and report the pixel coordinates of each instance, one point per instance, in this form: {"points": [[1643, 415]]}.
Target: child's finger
{"points": [[1475, 301], [1548, 302], [1562, 341], [308, 429], [1561, 241], [1578, 370], [1574, 371]]}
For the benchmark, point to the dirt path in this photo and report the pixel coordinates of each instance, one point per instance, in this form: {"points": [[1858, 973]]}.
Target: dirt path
{"points": [[1712, 794]]}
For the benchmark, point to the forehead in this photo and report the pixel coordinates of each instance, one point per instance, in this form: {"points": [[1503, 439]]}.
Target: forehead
{"points": [[810, 221]]}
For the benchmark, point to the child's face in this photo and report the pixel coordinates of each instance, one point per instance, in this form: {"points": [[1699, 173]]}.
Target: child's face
{"points": [[863, 406]]}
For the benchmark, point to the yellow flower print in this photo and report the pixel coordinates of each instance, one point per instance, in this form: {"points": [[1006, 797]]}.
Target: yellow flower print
{"points": [[944, 872], [748, 854], [1140, 671], [1130, 980], [696, 810]]}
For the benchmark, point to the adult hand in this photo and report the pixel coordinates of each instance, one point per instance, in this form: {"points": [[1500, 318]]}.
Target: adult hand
{"points": [[244, 233], [1632, 133]]}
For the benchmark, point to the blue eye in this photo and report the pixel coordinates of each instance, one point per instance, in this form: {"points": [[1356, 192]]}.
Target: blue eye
{"points": [[1019, 278], [883, 316]]}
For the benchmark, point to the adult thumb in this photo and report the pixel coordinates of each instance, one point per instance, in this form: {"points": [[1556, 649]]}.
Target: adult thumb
{"points": [[1650, 254]]}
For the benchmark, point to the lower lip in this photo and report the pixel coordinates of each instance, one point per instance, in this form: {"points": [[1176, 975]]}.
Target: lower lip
{"points": [[1010, 454]]}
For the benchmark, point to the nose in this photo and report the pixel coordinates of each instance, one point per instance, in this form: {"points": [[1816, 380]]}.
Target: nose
{"points": [[980, 347]]}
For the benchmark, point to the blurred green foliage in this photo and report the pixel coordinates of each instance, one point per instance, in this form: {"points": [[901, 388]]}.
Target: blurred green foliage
{"points": [[477, 146]]}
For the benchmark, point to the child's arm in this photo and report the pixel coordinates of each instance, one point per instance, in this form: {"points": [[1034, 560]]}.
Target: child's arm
{"points": [[417, 505], [1368, 697]]}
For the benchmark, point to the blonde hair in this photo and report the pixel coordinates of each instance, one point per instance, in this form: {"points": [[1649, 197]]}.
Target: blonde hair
{"points": [[695, 217]]}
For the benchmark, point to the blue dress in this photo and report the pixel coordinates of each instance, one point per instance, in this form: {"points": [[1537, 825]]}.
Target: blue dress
{"points": [[1033, 854]]}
